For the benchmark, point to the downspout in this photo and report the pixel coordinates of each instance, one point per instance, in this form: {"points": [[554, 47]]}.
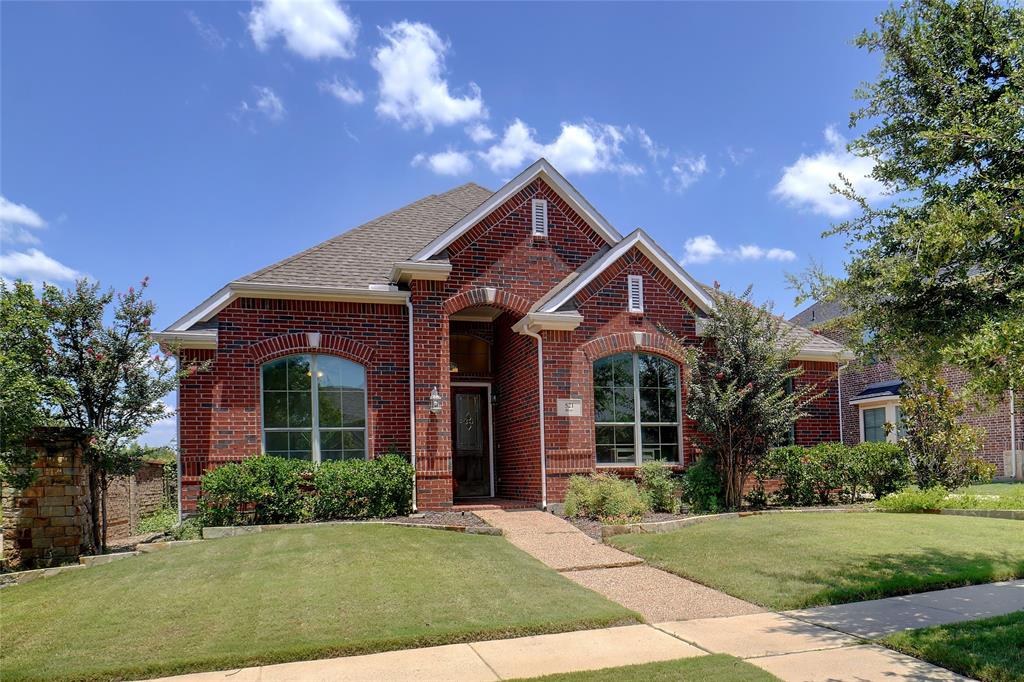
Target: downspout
{"points": [[540, 387], [839, 382], [1013, 435], [177, 438], [412, 404]]}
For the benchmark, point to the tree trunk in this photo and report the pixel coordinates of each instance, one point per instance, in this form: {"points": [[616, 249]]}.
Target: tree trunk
{"points": [[103, 506], [94, 511]]}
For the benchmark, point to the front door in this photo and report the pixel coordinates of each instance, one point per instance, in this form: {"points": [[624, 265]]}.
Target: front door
{"points": [[471, 443]]}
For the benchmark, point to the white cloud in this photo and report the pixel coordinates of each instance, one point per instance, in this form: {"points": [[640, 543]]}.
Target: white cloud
{"points": [[587, 147], [807, 182], [311, 28], [738, 155], [347, 92], [445, 163], [413, 88], [267, 103], [209, 33], [17, 222], [653, 150], [480, 133], [34, 266], [685, 171], [704, 249]]}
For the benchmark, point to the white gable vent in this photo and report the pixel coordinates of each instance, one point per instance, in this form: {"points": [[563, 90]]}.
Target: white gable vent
{"points": [[636, 294], [540, 218]]}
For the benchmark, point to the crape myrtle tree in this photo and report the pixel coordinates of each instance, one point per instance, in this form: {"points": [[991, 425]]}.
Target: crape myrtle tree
{"points": [[103, 379], [737, 388], [937, 273]]}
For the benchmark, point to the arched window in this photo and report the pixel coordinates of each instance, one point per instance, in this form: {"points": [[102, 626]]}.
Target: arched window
{"points": [[636, 409], [314, 407]]}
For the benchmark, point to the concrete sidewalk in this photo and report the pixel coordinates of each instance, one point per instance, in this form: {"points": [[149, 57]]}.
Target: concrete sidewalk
{"points": [[880, 617]]}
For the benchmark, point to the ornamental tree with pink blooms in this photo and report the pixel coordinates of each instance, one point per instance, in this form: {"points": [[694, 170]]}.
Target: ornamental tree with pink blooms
{"points": [[742, 392]]}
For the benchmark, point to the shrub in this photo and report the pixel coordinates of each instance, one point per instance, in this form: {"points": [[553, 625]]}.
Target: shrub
{"points": [[981, 471], [913, 499], [356, 489], [189, 529], [160, 521], [658, 487], [604, 497], [790, 467], [883, 467], [702, 487]]}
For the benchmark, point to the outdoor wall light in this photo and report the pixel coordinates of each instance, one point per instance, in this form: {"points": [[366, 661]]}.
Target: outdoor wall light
{"points": [[435, 401]]}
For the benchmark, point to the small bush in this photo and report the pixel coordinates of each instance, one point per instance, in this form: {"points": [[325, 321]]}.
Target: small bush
{"points": [[702, 487], [605, 497], [790, 466], [981, 471], [189, 529], [883, 467], [913, 499], [160, 521], [359, 489], [658, 487]]}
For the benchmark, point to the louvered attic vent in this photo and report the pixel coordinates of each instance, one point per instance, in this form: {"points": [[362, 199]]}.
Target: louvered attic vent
{"points": [[540, 218], [636, 294]]}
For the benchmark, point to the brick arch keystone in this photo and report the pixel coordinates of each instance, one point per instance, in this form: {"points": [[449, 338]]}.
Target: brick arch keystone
{"points": [[310, 342], [634, 341], [498, 298]]}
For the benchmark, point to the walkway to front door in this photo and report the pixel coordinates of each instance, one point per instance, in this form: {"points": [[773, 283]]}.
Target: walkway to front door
{"points": [[471, 441]]}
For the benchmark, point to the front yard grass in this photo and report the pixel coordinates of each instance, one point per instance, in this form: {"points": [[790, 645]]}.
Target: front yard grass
{"points": [[714, 668], [1004, 489], [282, 596], [991, 650], [788, 561]]}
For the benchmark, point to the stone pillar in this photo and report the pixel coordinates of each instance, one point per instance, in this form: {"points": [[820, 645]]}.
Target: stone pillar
{"points": [[47, 523]]}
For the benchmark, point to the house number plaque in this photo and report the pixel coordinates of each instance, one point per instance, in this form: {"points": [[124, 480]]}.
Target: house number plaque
{"points": [[570, 407]]}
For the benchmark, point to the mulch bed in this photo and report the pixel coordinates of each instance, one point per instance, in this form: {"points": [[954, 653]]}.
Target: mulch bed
{"points": [[446, 518], [592, 527]]}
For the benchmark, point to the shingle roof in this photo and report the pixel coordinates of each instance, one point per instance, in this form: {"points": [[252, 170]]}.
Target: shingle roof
{"points": [[818, 314], [881, 389], [364, 255]]}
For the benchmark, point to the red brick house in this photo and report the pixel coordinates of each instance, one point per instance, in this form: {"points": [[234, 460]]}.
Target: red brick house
{"points": [[507, 340], [871, 399]]}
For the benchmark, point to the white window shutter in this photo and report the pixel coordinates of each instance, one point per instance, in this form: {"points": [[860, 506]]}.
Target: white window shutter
{"points": [[636, 294], [540, 218]]}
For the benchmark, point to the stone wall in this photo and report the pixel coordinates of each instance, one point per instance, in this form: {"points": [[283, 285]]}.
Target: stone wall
{"points": [[47, 523], [129, 498]]}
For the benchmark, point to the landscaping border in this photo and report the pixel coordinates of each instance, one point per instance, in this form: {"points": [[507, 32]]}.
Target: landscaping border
{"points": [[22, 577], [676, 524], [217, 532], [1010, 514]]}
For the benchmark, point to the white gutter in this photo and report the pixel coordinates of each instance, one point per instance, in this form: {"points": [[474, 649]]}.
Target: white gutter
{"points": [[177, 438], [412, 404], [540, 389], [1013, 435]]}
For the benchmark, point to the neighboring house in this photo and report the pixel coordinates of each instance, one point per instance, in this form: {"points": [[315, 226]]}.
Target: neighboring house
{"points": [[871, 399], [497, 307]]}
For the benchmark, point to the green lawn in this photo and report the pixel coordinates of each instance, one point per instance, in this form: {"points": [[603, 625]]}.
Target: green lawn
{"points": [[716, 668], [786, 561], [991, 650], [287, 595], [1001, 489]]}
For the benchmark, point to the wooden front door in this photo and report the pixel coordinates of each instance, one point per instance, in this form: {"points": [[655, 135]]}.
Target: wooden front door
{"points": [[471, 441]]}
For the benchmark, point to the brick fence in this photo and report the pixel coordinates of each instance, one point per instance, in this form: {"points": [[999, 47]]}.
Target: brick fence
{"points": [[130, 498]]}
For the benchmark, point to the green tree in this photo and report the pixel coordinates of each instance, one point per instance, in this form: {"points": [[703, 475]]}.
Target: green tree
{"points": [[737, 388], [939, 272], [101, 378], [23, 346], [941, 447]]}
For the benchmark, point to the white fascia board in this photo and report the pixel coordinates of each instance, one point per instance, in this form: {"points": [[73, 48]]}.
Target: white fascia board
{"points": [[825, 355], [544, 170], [658, 256], [535, 322], [875, 400], [405, 271], [206, 338], [223, 298]]}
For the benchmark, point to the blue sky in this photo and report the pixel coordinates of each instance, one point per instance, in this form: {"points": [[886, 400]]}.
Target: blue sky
{"points": [[197, 142]]}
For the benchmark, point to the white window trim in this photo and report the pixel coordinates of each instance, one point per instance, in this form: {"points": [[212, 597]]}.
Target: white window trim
{"points": [[542, 229], [636, 423], [890, 406], [638, 282], [314, 396]]}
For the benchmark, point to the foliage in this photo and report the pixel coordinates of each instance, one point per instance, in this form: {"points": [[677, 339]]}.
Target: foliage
{"points": [[737, 388], [702, 487], [604, 497], [266, 490], [884, 467], [941, 446], [160, 521], [189, 529], [354, 489], [23, 346], [938, 272], [658, 487], [913, 499]]}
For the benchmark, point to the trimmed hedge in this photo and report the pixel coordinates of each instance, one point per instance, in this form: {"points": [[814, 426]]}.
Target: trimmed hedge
{"points": [[266, 490], [604, 497]]}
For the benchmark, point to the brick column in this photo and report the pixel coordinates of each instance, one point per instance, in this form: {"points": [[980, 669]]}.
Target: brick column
{"points": [[433, 431]]}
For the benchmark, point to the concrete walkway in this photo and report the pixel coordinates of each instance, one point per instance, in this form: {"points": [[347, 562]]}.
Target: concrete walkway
{"points": [[880, 617], [654, 594]]}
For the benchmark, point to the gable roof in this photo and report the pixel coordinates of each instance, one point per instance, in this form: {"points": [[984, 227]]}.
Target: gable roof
{"points": [[819, 313], [538, 169], [571, 286]]}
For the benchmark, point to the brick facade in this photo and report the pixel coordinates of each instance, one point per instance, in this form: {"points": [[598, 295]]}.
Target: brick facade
{"points": [[497, 264]]}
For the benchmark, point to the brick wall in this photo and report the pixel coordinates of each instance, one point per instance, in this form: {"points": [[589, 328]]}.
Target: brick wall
{"points": [[47, 524], [516, 417], [130, 498]]}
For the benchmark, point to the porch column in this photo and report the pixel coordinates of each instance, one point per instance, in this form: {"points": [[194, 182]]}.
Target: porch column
{"points": [[433, 430]]}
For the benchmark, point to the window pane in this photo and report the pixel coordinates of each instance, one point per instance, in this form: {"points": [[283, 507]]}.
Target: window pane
{"points": [[275, 375], [329, 455], [606, 454], [299, 373], [328, 371], [624, 405], [605, 435], [275, 409], [330, 407], [470, 355], [353, 375], [669, 434], [648, 371], [355, 445], [623, 369], [874, 424], [604, 404], [668, 405], [300, 409], [603, 372], [330, 440], [299, 443], [649, 405], [353, 407], [277, 442]]}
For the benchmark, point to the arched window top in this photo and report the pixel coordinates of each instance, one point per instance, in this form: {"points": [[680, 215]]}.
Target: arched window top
{"points": [[469, 354], [314, 407], [636, 409]]}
